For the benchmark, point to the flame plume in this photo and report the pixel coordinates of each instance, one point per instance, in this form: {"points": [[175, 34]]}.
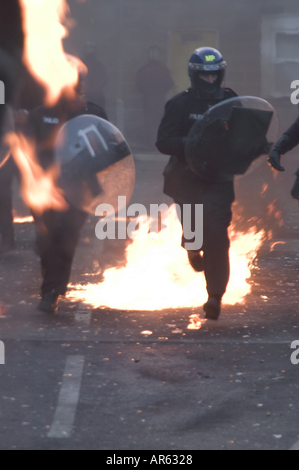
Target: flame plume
{"points": [[38, 187], [158, 275], [44, 55]]}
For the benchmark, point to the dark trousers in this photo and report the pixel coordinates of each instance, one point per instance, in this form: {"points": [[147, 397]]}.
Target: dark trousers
{"points": [[58, 234], [217, 199], [7, 173]]}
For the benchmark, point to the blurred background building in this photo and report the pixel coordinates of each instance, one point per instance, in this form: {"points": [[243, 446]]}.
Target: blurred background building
{"points": [[258, 38]]}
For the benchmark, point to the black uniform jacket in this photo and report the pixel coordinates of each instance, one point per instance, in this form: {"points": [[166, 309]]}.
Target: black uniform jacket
{"points": [[44, 124], [181, 112]]}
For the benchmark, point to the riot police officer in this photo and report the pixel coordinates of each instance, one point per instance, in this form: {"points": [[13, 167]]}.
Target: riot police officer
{"points": [[206, 71], [57, 232], [287, 142]]}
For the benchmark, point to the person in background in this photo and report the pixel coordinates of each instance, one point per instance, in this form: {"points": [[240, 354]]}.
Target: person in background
{"points": [[28, 94], [153, 81], [11, 52], [96, 79], [8, 171]]}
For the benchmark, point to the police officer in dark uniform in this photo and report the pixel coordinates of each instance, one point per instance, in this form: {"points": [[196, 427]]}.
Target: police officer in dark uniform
{"points": [[57, 232], [215, 192], [287, 142]]}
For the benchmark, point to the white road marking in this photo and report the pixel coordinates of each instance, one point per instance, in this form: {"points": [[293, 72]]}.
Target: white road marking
{"points": [[68, 398]]}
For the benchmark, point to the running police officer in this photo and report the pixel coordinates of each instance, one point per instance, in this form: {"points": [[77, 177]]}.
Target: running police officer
{"points": [[57, 232], [206, 71], [287, 142]]}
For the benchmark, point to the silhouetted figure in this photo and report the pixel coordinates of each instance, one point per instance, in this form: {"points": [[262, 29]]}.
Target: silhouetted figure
{"points": [[96, 79], [11, 48], [8, 171], [28, 94], [153, 81]]}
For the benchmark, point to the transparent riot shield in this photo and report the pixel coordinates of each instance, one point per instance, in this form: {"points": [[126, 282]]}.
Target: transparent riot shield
{"points": [[96, 163], [231, 135]]}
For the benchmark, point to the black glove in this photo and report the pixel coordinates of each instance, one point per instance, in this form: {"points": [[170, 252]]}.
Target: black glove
{"points": [[281, 147], [274, 160]]}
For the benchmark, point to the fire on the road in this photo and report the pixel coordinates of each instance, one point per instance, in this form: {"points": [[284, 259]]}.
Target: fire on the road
{"points": [[158, 275], [23, 220]]}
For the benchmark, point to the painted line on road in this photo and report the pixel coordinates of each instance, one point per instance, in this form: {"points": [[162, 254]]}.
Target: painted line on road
{"points": [[68, 398]]}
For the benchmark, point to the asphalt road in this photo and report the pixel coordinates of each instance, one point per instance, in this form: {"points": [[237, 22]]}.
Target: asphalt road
{"points": [[90, 379]]}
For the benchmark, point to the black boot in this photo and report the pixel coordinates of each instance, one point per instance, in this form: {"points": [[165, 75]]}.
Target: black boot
{"points": [[49, 302], [212, 308], [196, 260]]}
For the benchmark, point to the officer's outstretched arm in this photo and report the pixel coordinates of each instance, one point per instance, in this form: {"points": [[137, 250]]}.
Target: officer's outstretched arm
{"points": [[287, 142], [281, 147]]}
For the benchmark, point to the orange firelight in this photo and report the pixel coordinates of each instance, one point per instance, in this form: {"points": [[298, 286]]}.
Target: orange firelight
{"points": [[158, 275], [44, 55], [38, 186]]}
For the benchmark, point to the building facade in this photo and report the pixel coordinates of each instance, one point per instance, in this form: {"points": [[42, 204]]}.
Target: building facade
{"points": [[259, 39]]}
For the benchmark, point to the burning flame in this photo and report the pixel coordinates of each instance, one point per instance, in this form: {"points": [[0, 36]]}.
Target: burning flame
{"points": [[38, 187], [272, 211], [273, 245], [23, 220], [195, 322], [158, 275], [44, 55]]}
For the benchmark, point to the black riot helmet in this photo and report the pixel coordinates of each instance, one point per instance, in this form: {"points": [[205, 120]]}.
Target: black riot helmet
{"points": [[206, 61]]}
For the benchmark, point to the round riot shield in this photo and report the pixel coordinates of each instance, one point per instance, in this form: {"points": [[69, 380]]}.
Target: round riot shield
{"points": [[96, 163], [231, 135]]}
